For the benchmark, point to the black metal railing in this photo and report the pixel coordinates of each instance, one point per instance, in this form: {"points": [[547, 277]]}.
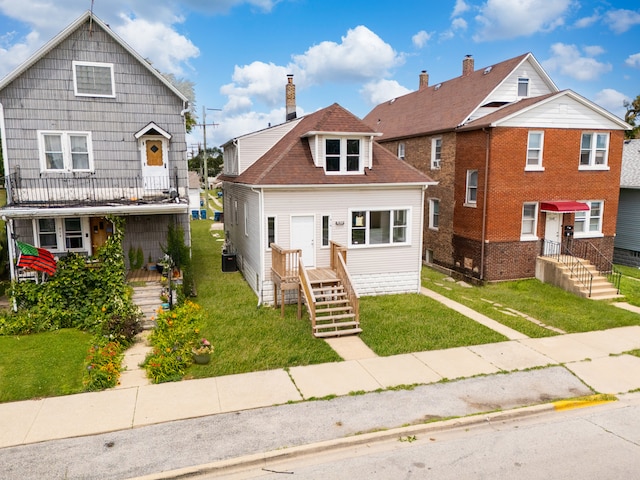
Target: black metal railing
{"points": [[562, 254], [588, 251], [90, 189]]}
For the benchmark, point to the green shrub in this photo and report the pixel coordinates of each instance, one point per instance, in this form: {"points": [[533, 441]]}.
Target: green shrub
{"points": [[103, 364]]}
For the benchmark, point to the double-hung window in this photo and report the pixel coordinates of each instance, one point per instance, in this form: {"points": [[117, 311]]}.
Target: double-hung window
{"points": [[529, 221], [401, 149], [434, 213], [326, 231], [594, 150], [436, 153], [65, 151], [271, 231], [342, 155], [589, 223], [471, 195], [92, 79], [523, 87], [380, 227], [534, 151], [62, 234]]}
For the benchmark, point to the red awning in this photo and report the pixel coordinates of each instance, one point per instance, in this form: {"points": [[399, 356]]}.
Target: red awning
{"points": [[563, 206]]}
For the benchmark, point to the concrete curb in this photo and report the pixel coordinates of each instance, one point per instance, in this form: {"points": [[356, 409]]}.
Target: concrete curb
{"points": [[238, 464]]}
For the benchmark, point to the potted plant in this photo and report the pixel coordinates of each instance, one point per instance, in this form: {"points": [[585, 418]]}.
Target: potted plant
{"points": [[202, 352]]}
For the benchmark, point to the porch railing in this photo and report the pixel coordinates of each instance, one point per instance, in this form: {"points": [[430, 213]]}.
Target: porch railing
{"points": [[588, 251], [563, 255], [284, 263], [339, 265], [88, 189], [307, 291]]}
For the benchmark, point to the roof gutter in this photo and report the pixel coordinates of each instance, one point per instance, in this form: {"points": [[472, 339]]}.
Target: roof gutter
{"points": [[123, 210]]}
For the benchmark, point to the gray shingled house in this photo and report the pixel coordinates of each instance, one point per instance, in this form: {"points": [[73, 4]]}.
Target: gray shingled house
{"points": [[90, 129], [627, 243]]}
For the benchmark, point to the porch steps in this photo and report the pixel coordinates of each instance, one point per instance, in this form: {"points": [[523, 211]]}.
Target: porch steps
{"points": [[601, 288], [147, 297], [334, 314]]}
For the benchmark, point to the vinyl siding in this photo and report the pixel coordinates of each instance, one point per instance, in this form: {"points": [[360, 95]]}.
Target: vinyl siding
{"points": [[628, 227], [251, 147]]}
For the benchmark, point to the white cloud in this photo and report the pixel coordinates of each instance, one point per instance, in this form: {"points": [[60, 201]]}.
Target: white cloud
{"points": [[360, 56], [622, 20], [593, 50], [166, 48], [586, 22], [504, 19], [379, 91], [612, 101], [459, 24], [421, 38], [633, 60], [263, 81], [460, 7], [13, 54], [567, 60]]}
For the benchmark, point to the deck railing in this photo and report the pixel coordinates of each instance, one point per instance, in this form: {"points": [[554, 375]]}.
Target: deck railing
{"points": [[339, 265], [307, 291], [88, 189], [284, 263]]}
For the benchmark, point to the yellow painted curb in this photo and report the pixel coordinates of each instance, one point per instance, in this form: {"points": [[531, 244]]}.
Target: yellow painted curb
{"points": [[582, 402]]}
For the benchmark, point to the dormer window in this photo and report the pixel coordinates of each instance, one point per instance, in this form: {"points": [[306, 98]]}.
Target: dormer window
{"points": [[523, 87], [342, 155]]}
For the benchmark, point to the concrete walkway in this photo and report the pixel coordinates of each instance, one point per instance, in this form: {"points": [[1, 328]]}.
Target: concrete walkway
{"points": [[587, 355]]}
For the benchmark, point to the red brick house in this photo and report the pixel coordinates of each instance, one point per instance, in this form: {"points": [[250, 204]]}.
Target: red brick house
{"points": [[523, 168]]}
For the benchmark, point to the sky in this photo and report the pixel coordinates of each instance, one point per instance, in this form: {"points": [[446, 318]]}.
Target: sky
{"points": [[357, 53]]}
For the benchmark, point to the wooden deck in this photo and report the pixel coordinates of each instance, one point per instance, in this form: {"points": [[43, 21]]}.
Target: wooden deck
{"points": [[143, 275], [321, 275]]}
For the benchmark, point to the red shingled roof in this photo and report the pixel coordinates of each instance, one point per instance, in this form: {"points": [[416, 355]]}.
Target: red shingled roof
{"points": [[289, 162], [440, 107]]}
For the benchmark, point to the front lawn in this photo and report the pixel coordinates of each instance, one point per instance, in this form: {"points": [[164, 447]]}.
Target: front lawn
{"points": [[42, 365]]}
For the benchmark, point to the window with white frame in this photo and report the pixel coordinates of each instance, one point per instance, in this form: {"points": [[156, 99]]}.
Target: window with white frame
{"points": [[235, 212], [401, 148], [379, 227], [62, 234], [594, 150], [589, 223], [271, 231], [436, 152], [434, 213], [534, 151], [529, 221], [523, 87], [65, 151], [246, 219], [342, 155], [471, 197], [326, 230], [92, 79]]}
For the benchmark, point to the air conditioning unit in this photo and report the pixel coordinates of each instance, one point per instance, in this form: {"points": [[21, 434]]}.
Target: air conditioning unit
{"points": [[435, 164]]}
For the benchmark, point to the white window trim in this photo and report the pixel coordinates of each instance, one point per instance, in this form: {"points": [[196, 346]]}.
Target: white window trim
{"points": [[435, 163], [527, 237], [275, 230], [592, 166], [343, 156], [467, 202], [539, 167], [589, 234], [66, 151], [93, 64], [328, 245], [245, 208], [391, 226], [61, 246], [401, 150], [523, 81], [431, 203]]}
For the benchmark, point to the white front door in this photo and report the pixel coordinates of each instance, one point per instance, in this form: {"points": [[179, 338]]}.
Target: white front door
{"points": [[302, 237], [155, 163], [552, 231]]}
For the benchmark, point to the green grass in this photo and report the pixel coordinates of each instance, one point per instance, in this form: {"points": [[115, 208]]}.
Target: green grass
{"points": [[395, 324], [246, 338], [630, 284], [42, 365], [544, 302], [633, 272]]}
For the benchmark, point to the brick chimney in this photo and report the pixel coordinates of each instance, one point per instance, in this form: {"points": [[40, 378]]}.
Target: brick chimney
{"points": [[424, 79], [467, 65], [290, 98]]}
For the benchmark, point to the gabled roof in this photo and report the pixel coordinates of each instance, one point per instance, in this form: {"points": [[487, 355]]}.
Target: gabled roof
{"points": [[511, 110], [88, 16], [447, 105], [289, 161], [630, 175]]}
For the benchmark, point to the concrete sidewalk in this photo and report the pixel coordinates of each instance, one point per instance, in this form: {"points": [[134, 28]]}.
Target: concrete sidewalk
{"points": [[594, 357]]}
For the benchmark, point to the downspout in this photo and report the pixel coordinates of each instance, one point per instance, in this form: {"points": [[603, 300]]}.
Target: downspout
{"points": [[8, 222], [260, 283], [423, 195], [484, 200]]}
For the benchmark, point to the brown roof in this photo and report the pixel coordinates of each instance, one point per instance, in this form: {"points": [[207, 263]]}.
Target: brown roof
{"points": [[289, 162], [440, 107]]}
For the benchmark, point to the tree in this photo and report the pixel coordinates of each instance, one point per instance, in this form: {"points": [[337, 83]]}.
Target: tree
{"points": [[631, 116], [214, 162], [186, 87]]}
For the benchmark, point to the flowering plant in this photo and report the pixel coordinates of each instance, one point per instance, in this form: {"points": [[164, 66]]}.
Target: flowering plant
{"points": [[203, 347]]}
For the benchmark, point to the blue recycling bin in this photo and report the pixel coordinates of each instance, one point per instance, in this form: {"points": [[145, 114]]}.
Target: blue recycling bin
{"points": [[219, 194], [201, 202], [195, 214], [203, 214], [216, 215]]}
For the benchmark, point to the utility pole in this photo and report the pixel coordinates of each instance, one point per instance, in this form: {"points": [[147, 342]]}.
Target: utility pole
{"points": [[206, 154]]}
